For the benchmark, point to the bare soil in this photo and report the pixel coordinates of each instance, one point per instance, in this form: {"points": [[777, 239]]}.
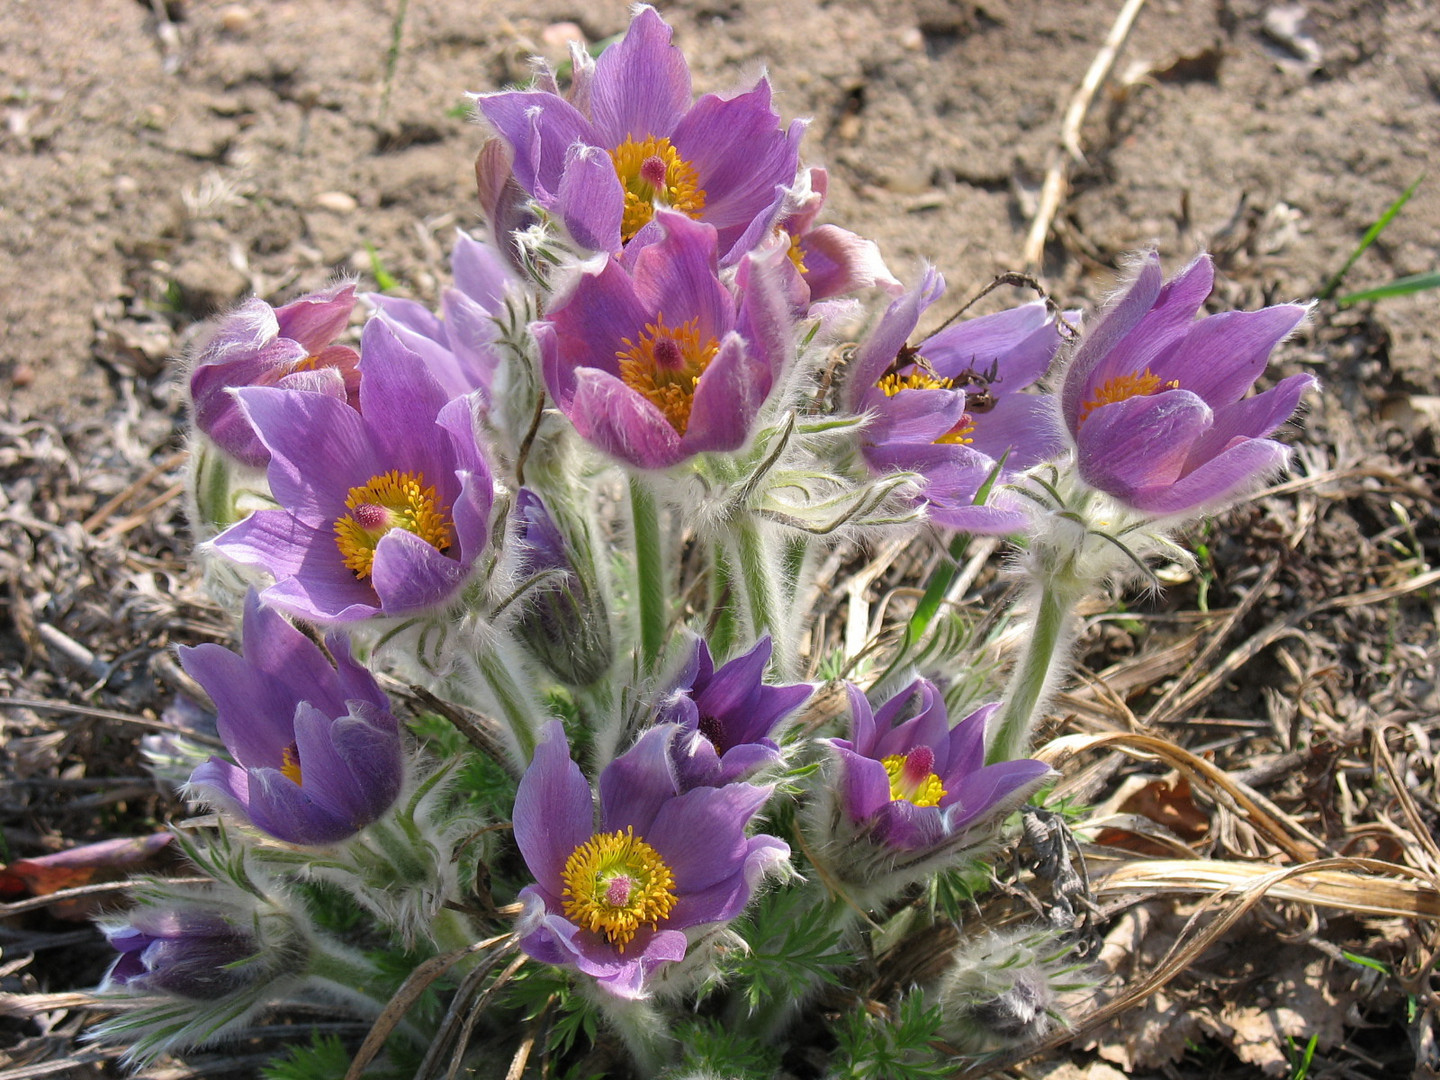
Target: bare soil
{"points": [[160, 161]]}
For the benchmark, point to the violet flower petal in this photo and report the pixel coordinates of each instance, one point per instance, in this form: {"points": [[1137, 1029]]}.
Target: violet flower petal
{"points": [[554, 813]]}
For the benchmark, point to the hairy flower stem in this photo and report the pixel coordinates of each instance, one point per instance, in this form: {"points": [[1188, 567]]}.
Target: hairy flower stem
{"points": [[764, 592], [1055, 595], [523, 716], [643, 1029], [650, 571]]}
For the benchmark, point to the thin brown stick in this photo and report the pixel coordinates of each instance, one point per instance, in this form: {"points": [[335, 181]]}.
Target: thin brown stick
{"points": [[1052, 191]]}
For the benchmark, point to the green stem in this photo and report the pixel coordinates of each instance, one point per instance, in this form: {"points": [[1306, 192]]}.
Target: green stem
{"points": [[929, 606], [763, 592], [650, 571], [724, 592], [643, 1029], [1058, 593], [523, 716]]}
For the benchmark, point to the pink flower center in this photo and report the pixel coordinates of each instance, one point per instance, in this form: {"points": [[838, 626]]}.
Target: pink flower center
{"points": [[912, 777], [664, 366]]}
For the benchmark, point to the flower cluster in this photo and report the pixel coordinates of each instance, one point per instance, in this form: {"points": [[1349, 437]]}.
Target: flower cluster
{"points": [[583, 511]]}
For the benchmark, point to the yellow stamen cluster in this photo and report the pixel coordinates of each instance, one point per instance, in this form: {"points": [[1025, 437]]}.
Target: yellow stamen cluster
{"points": [[290, 764], [927, 791], [1124, 387], [615, 883], [665, 366], [915, 380], [395, 500], [961, 432], [654, 174], [797, 253]]}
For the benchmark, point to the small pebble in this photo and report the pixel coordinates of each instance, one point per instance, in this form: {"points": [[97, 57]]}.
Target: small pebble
{"points": [[337, 201], [236, 18], [560, 34]]}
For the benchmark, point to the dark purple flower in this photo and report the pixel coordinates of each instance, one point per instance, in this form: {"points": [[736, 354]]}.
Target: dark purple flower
{"points": [[458, 345], [1154, 398], [911, 782], [318, 750], [192, 952], [257, 345], [564, 623], [661, 362], [382, 511], [726, 716], [630, 141], [615, 900], [952, 408]]}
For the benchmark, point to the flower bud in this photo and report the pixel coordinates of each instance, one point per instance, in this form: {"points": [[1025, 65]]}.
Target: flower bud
{"points": [[565, 625]]}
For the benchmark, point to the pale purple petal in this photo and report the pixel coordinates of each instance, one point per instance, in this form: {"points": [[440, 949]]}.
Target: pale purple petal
{"points": [[554, 813], [622, 423], [701, 834], [591, 199], [1140, 442], [641, 85], [635, 786], [1244, 339], [540, 129], [1232, 472], [318, 446], [410, 575]]}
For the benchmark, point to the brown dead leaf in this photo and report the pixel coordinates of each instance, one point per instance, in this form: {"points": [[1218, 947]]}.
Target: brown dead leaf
{"points": [[1307, 997], [105, 861], [1170, 802]]}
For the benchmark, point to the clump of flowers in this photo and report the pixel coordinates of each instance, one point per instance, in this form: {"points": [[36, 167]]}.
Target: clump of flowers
{"points": [[536, 717]]}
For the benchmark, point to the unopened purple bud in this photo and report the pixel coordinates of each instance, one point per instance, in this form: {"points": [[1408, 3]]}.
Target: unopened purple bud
{"points": [[188, 952], [565, 624]]}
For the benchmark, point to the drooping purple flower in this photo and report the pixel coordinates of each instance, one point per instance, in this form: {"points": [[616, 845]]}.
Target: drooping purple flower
{"points": [[630, 141], [192, 952], [1154, 399], [911, 782], [457, 345], [258, 345], [564, 623], [831, 260], [615, 900], [383, 511], [726, 716], [317, 750], [953, 410], [659, 362]]}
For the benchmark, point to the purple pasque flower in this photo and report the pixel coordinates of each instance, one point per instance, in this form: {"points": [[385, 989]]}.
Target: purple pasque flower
{"points": [[630, 141], [458, 343], [192, 952], [317, 749], [616, 899], [831, 260], [259, 345], [911, 782], [952, 409], [657, 361], [1154, 399], [726, 716], [383, 511]]}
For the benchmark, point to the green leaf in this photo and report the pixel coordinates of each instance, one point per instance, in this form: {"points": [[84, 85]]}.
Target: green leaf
{"points": [[873, 1048], [324, 1059], [1369, 238], [1413, 283], [384, 280]]}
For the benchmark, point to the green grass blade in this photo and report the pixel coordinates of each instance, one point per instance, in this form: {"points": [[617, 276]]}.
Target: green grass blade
{"points": [[1369, 238], [1399, 287]]}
